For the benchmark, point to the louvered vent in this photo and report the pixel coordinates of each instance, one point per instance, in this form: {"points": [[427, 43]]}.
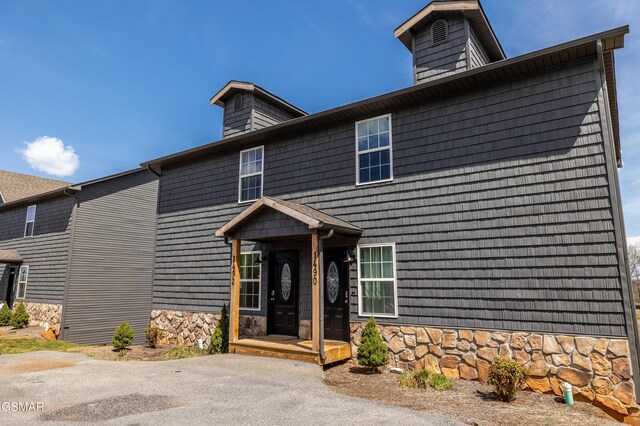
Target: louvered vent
{"points": [[439, 31], [237, 102]]}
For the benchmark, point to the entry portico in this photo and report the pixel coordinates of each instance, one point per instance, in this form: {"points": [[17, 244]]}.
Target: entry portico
{"points": [[282, 230]]}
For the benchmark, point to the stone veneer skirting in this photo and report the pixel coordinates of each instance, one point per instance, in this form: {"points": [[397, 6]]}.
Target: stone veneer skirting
{"points": [[599, 369], [42, 313]]}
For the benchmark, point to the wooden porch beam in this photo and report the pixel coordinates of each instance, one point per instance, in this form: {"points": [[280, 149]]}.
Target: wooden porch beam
{"points": [[315, 292], [234, 300]]}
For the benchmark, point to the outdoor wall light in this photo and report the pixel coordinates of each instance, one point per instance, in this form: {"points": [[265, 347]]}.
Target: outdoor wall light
{"points": [[350, 258]]}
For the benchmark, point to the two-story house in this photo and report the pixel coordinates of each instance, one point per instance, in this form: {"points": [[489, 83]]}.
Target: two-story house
{"points": [[474, 214], [80, 256]]}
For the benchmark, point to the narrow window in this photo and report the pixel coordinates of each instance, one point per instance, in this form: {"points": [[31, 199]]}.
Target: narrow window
{"points": [[377, 280], [22, 282], [250, 185], [250, 281], [439, 31], [237, 102], [374, 162], [31, 219]]}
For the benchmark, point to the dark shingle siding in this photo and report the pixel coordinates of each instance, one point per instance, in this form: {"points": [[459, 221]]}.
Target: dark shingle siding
{"points": [[477, 55], [500, 209], [442, 59], [236, 122], [46, 253], [266, 114]]}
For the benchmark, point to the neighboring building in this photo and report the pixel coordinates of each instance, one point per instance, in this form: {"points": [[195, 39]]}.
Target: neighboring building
{"points": [[14, 186], [475, 213], [82, 255]]}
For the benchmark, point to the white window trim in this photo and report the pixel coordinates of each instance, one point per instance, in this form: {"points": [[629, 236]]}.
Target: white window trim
{"points": [[240, 175], [395, 281], [26, 280], [26, 221], [367, 151], [252, 280]]}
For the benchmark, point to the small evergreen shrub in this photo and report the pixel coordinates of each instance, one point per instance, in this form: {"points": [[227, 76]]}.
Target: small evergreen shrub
{"points": [[5, 315], [440, 382], [20, 318], [508, 377], [372, 352], [423, 378], [154, 334], [122, 352], [123, 336], [220, 336]]}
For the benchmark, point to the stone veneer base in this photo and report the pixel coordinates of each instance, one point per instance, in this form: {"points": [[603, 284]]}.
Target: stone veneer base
{"points": [[599, 369], [42, 313], [185, 328]]}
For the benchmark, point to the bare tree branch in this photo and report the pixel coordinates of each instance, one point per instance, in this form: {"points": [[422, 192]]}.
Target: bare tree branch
{"points": [[634, 261]]}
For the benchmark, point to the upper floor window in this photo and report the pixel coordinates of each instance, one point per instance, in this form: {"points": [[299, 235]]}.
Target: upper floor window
{"points": [[30, 222], [22, 282], [250, 281], [251, 164], [377, 280], [439, 31], [237, 102], [374, 162]]}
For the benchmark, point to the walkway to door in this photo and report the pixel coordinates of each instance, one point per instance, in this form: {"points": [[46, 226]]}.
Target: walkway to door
{"points": [[270, 221], [291, 348]]}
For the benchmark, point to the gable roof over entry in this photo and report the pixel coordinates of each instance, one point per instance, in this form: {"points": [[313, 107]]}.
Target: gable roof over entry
{"points": [[10, 256], [314, 220]]}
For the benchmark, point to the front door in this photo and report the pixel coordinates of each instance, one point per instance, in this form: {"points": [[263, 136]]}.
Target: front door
{"points": [[336, 295], [11, 287], [283, 293]]}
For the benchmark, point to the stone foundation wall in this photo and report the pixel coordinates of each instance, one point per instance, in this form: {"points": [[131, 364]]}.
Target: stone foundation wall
{"points": [[42, 313], [599, 369], [185, 328], [252, 326]]}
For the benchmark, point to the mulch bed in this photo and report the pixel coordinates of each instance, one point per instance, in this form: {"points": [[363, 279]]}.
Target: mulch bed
{"points": [[470, 402]]}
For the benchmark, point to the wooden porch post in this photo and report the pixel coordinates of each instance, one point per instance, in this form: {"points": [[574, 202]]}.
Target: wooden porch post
{"points": [[315, 293], [234, 301]]}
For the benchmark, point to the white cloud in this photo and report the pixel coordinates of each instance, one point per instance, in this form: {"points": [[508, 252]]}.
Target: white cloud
{"points": [[51, 156]]}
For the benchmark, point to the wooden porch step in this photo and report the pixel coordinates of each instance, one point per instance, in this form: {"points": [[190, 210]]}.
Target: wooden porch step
{"points": [[291, 348]]}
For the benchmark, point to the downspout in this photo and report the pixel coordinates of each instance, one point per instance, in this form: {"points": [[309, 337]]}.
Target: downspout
{"points": [[321, 238], [152, 171]]}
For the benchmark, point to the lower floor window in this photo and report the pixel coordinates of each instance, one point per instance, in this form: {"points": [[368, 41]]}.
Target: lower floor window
{"points": [[22, 282], [250, 281], [377, 280]]}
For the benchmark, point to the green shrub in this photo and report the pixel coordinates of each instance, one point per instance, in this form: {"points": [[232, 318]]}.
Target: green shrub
{"points": [[220, 336], [5, 315], [408, 380], [423, 378], [123, 336], [508, 377], [122, 352], [20, 318], [372, 352], [440, 382], [154, 334]]}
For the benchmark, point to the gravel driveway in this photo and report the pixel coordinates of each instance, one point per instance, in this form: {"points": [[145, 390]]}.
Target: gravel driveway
{"points": [[223, 389]]}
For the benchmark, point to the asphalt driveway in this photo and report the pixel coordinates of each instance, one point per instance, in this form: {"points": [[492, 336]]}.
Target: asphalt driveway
{"points": [[223, 389]]}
